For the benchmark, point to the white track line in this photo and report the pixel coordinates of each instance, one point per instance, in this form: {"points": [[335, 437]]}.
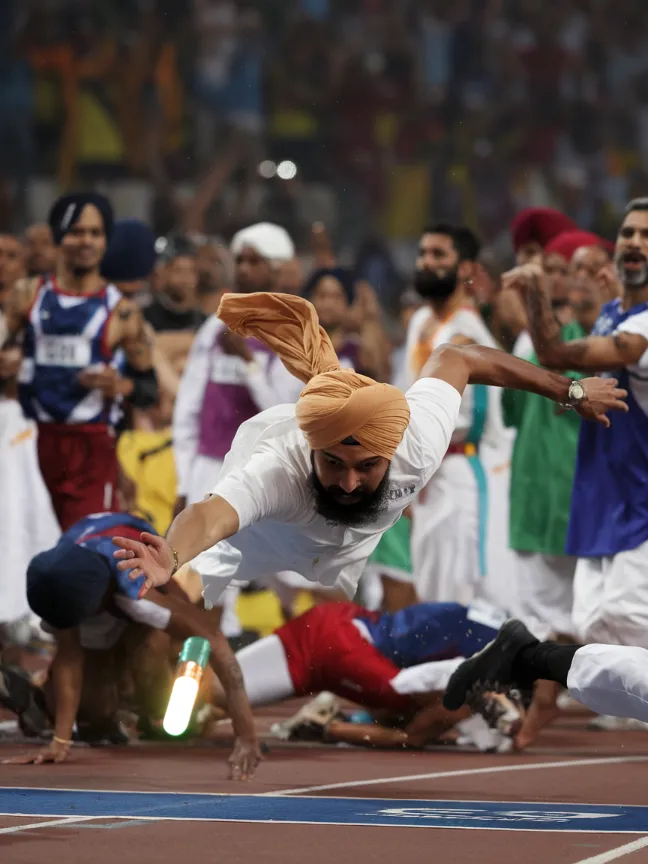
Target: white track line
{"points": [[68, 820], [617, 853], [467, 772]]}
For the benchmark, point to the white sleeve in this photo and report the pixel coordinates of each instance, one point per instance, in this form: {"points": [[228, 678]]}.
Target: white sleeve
{"points": [[272, 384], [264, 488], [144, 611], [189, 402], [434, 408], [637, 324]]}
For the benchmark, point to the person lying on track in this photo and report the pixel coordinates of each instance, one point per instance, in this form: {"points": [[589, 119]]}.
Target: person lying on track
{"points": [[607, 679], [311, 488], [90, 607], [394, 664]]}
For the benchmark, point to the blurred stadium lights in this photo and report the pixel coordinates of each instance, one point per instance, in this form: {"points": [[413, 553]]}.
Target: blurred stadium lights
{"points": [[267, 169], [286, 170]]}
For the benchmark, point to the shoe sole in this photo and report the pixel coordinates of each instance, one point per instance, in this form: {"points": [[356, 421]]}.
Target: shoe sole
{"points": [[476, 669]]}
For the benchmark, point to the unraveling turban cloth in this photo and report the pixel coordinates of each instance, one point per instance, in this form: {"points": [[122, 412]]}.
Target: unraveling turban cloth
{"points": [[336, 403]]}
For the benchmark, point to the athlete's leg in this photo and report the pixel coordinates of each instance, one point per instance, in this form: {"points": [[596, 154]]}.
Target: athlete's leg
{"points": [[265, 671]]}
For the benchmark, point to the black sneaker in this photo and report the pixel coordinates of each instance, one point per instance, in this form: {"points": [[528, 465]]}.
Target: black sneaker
{"points": [[489, 669]]}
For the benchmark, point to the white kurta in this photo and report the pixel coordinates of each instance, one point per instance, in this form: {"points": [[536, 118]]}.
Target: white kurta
{"points": [[611, 679], [448, 526], [27, 521], [266, 479]]}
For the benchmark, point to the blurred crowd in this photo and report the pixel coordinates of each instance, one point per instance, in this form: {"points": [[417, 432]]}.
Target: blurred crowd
{"points": [[392, 111], [235, 114]]}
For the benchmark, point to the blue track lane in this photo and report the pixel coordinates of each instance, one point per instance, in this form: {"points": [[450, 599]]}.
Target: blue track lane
{"points": [[326, 811]]}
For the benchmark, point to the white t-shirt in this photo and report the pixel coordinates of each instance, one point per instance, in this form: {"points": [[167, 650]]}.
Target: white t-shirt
{"points": [[468, 323], [266, 479]]}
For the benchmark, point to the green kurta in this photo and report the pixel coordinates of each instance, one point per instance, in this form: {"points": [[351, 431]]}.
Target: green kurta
{"points": [[542, 471]]}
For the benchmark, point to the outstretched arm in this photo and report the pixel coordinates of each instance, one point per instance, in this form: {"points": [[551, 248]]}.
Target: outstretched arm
{"points": [[185, 621], [460, 365], [591, 354], [197, 528]]}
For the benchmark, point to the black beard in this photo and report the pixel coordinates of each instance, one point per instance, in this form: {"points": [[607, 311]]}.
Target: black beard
{"points": [[355, 515], [80, 272], [430, 286]]}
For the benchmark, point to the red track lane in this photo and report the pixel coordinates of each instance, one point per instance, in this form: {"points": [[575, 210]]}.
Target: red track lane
{"points": [[203, 769]]}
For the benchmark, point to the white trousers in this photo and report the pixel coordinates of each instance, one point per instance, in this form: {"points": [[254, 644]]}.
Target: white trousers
{"points": [[611, 679], [27, 521], [265, 671], [546, 589], [445, 535], [611, 598]]}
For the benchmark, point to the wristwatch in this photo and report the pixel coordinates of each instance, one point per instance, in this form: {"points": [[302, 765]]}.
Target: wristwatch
{"points": [[575, 395]]}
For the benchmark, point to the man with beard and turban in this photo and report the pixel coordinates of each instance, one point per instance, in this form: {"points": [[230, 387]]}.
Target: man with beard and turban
{"points": [[531, 230], [459, 532], [227, 380], [311, 488], [70, 332], [608, 523]]}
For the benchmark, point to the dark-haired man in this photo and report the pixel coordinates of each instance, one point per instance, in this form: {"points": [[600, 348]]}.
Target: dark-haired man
{"points": [[370, 446], [70, 331], [449, 542], [608, 527]]}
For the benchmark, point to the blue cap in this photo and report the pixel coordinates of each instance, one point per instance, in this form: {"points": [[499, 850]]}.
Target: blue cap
{"points": [[130, 255], [67, 584]]}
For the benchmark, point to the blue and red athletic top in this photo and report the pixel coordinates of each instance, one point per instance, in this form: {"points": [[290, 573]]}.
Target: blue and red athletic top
{"points": [[427, 632]]}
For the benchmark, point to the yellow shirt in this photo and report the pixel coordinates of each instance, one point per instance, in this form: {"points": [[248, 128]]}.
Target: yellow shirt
{"points": [[147, 458]]}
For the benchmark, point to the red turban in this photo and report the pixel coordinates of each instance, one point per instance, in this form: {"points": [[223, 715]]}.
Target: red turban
{"points": [[568, 242], [539, 225]]}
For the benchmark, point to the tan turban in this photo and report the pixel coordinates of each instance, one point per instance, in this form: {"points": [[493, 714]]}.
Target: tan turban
{"points": [[336, 403]]}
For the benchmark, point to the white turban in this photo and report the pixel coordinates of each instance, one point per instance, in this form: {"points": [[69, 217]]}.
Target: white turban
{"points": [[270, 241]]}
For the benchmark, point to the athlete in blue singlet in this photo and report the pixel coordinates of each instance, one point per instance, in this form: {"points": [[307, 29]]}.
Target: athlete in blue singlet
{"points": [[608, 527], [76, 333], [87, 603]]}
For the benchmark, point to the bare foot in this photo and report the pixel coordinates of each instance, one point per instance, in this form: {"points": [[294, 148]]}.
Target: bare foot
{"points": [[542, 712]]}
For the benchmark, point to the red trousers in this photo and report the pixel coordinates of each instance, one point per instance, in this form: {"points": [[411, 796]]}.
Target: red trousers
{"points": [[79, 467]]}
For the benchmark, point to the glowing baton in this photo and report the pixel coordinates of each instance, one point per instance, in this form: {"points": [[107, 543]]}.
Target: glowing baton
{"points": [[193, 659]]}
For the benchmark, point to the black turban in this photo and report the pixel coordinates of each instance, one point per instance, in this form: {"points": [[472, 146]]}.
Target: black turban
{"points": [[67, 210]]}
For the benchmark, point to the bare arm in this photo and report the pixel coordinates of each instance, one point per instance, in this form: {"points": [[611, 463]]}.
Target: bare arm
{"points": [[202, 526], [460, 365], [194, 530], [591, 354], [67, 676], [187, 620]]}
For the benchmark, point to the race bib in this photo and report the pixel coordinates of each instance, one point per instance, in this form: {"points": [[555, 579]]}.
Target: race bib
{"points": [[68, 351]]}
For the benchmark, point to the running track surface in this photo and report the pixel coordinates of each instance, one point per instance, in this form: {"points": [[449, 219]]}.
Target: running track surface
{"points": [[579, 797]]}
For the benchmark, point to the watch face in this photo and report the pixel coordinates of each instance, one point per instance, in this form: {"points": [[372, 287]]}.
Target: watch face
{"points": [[577, 391]]}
